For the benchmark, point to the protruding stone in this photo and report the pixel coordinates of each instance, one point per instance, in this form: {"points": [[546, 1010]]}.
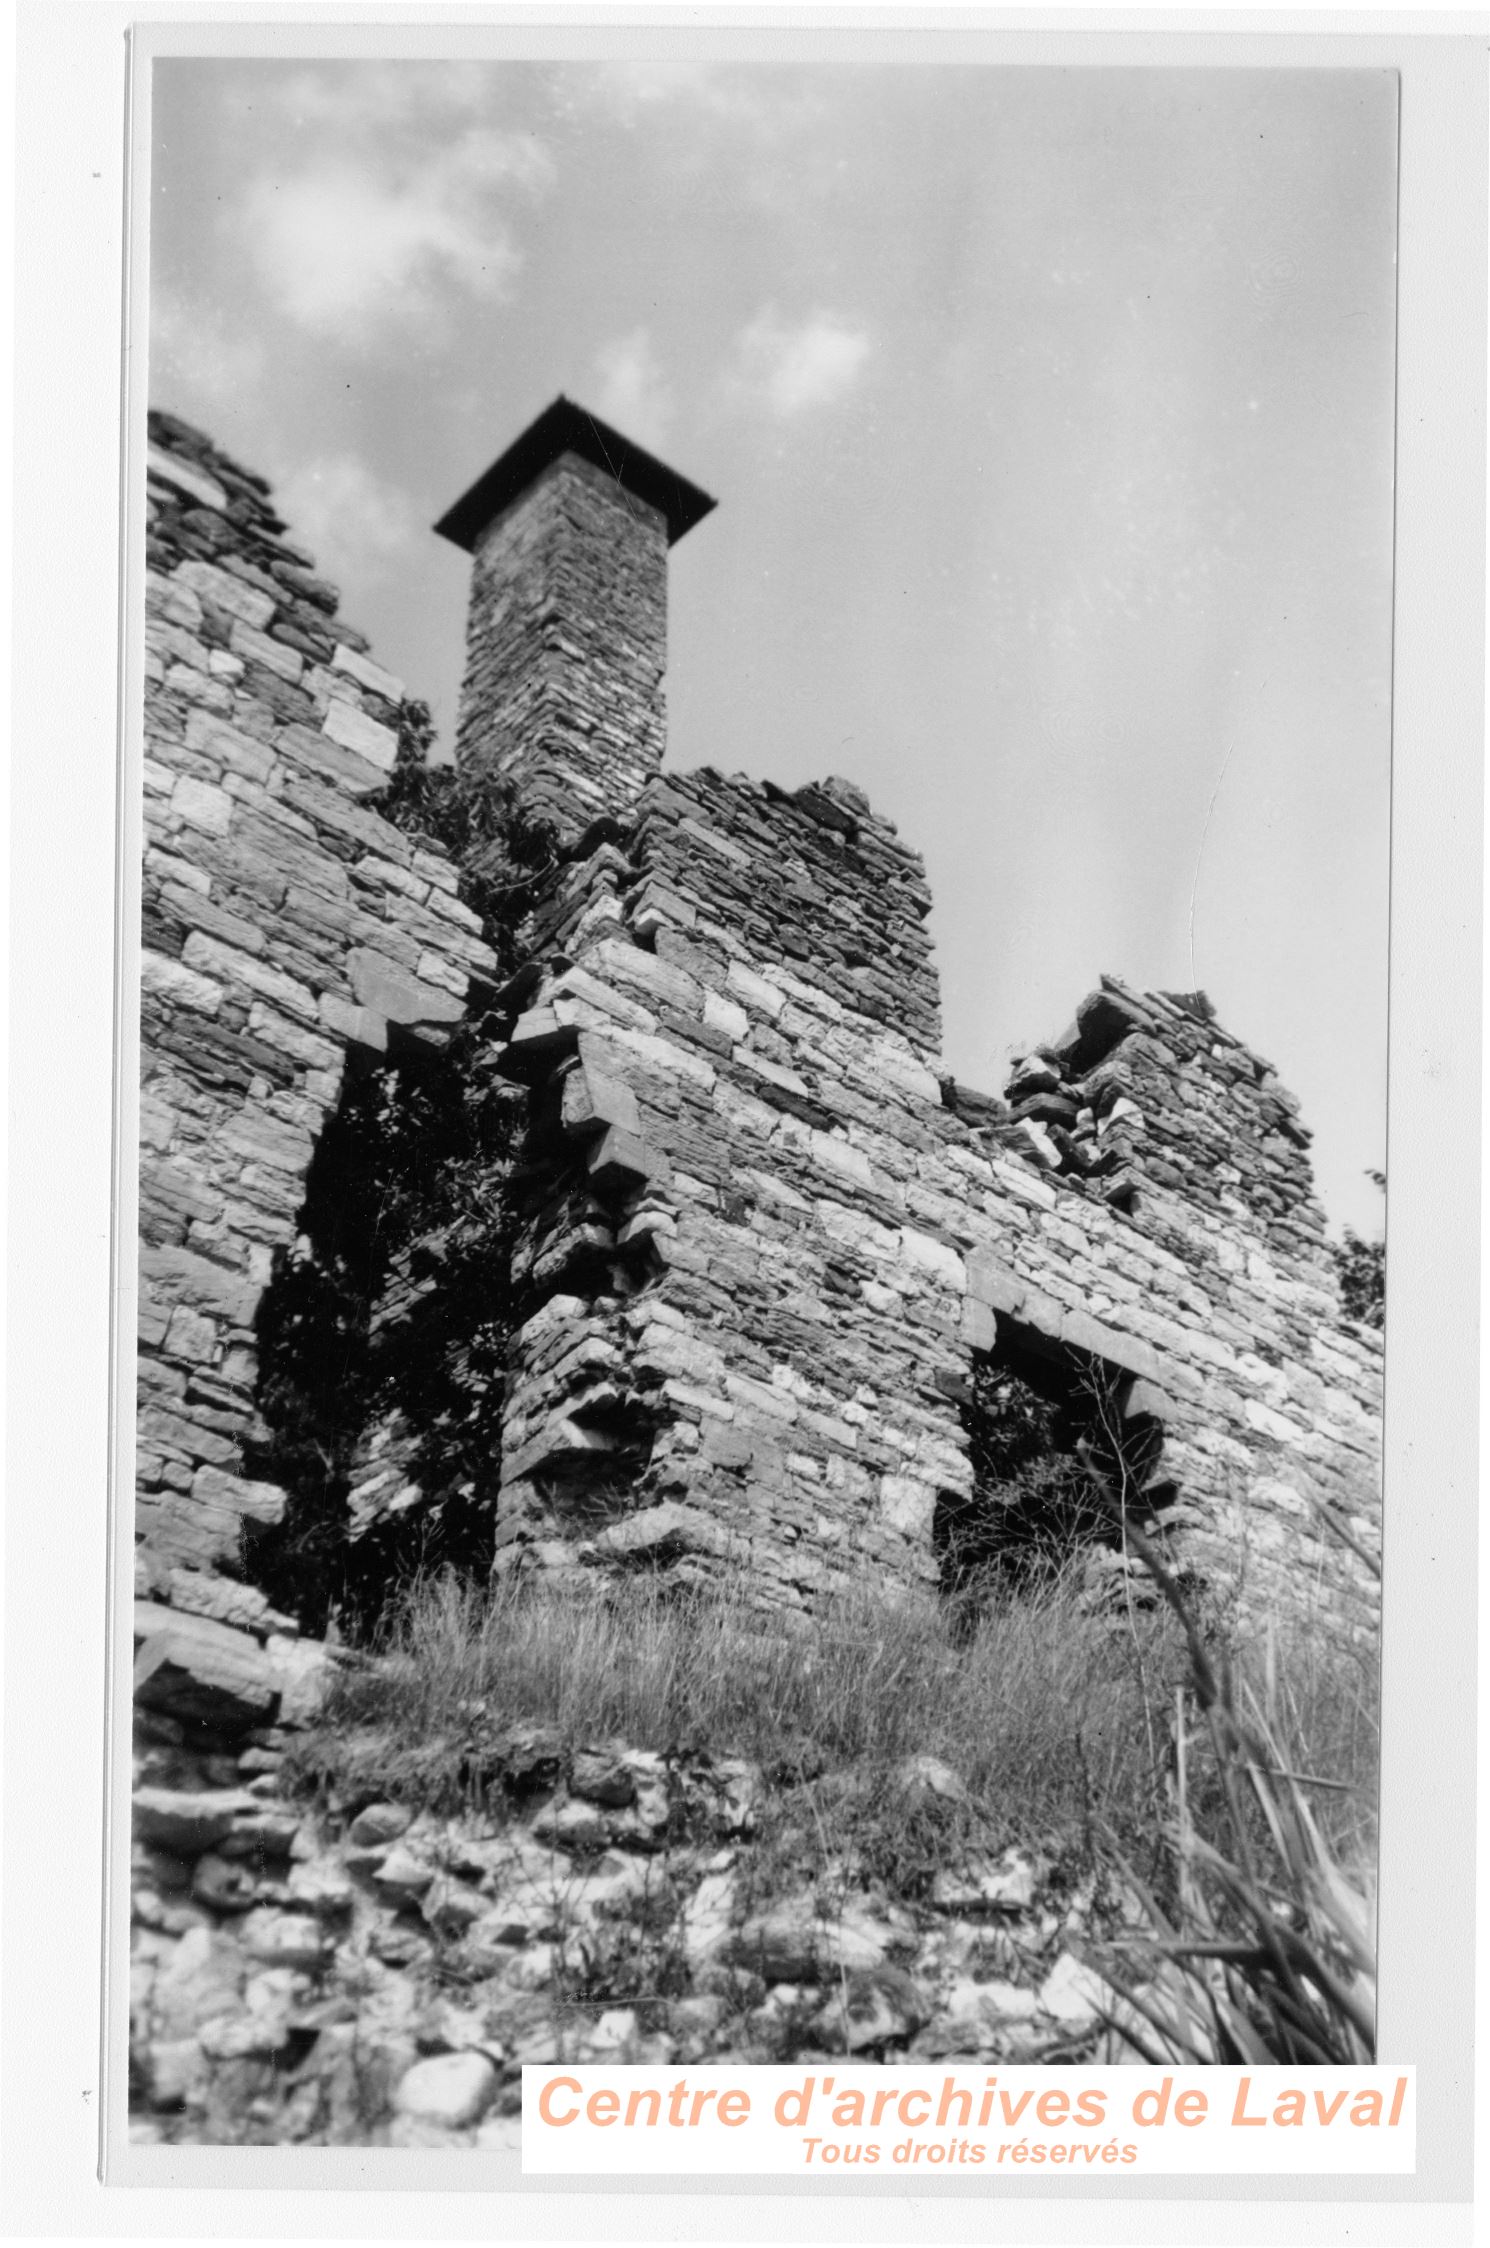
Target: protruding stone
{"points": [[380, 1822], [794, 1943], [402, 1874], [193, 1667], [619, 1158], [385, 989], [600, 1776], [285, 1939], [592, 1101], [188, 1822], [872, 2008], [570, 1826], [453, 2090], [658, 1531]]}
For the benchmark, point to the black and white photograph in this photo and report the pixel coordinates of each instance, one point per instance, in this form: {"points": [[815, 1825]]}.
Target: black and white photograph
{"points": [[767, 721], [744, 1126]]}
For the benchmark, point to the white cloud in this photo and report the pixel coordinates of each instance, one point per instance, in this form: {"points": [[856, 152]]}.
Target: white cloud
{"points": [[375, 95], [796, 367], [352, 522], [631, 388], [194, 347], [352, 244]]}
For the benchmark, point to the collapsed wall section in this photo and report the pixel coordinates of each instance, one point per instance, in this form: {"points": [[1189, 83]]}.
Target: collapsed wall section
{"points": [[285, 925], [770, 1242], [1173, 1235], [1149, 1090]]}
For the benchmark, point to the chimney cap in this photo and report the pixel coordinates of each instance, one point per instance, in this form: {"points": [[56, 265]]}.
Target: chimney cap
{"points": [[564, 427]]}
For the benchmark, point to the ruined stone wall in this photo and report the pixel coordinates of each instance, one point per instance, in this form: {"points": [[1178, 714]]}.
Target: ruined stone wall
{"points": [[770, 1240], [761, 1242], [284, 925], [1152, 1091], [747, 1258], [707, 1375]]}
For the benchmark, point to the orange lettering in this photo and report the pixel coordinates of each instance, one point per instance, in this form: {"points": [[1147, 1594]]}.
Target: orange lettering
{"points": [[557, 2084]]}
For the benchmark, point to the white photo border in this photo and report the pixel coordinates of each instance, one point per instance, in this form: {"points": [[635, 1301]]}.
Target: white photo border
{"points": [[72, 1150]]}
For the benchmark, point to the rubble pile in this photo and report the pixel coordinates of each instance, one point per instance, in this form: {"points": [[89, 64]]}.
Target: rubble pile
{"points": [[361, 1973]]}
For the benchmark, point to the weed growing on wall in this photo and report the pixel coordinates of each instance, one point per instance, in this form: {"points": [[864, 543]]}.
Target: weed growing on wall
{"points": [[504, 855]]}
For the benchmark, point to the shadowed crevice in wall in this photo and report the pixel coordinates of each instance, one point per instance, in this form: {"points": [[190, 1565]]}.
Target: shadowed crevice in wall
{"points": [[446, 1206], [383, 1338]]}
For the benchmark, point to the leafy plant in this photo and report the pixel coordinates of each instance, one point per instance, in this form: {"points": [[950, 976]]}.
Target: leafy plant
{"points": [[1362, 1270], [504, 855], [1031, 1506]]}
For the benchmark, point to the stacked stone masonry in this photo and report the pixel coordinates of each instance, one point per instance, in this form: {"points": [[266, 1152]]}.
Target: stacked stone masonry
{"points": [[283, 925], [811, 1234], [567, 646], [763, 1238]]}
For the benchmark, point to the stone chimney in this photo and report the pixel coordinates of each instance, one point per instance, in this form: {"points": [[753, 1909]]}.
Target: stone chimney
{"points": [[566, 643]]}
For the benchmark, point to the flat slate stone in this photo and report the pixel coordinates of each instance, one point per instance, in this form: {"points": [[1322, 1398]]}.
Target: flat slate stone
{"points": [[189, 1666], [390, 991]]}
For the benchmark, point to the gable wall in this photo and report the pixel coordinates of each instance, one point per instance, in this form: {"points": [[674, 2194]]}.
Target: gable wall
{"points": [[284, 925]]}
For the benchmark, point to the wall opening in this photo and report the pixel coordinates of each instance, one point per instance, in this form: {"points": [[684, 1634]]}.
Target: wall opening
{"points": [[1060, 1458]]}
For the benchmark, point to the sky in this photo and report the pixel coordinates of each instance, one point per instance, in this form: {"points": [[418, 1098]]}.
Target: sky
{"points": [[1050, 416]]}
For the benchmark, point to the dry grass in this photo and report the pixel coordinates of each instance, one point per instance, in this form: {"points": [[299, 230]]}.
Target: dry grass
{"points": [[1059, 1720], [1040, 1709], [1264, 1950], [1268, 1952]]}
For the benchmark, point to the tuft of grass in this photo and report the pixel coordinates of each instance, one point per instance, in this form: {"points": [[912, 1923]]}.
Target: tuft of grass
{"points": [[1039, 1709], [1056, 1717], [1266, 1951]]}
